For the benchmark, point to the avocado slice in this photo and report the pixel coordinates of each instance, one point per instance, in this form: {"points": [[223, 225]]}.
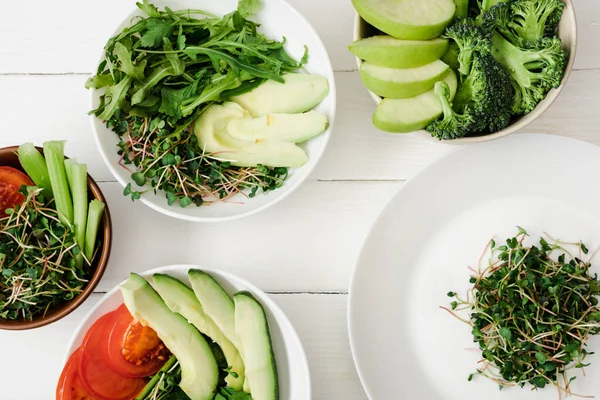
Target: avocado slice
{"points": [[298, 93], [182, 300], [295, 128], [199, 371], [211, 130], [254, 338]]}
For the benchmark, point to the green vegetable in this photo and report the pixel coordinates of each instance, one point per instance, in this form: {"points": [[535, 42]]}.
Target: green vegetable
{"points": [[523, 22], [34, 165], [462, 8], [453, 125], [480, 7], [161, 73], [94, 216], [534, 70], [79, 189], [470, 40], [38, 270], [532, 310], [487, 91], [529, 62], [55, 160]]}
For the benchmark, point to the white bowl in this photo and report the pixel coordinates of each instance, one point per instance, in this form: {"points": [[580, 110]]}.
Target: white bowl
{"points": [[567, 31], [277, 19], [292, 365]]}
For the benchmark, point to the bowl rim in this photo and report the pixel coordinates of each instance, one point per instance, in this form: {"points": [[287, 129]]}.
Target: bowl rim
{"points": [[266, 301], [101, 264], [287, 188], [523, 121]]}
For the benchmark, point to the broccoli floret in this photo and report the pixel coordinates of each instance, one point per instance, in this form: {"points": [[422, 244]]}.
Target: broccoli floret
{"points": [[534, 19], [479, 7], [470, 40], [523, 22], [453, 125], [534, 71], [488, 93]]}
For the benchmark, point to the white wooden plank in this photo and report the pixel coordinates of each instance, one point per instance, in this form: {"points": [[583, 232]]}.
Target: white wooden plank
{"points": [[357, 151], [35, 44], [319, 319], [308, 242]]}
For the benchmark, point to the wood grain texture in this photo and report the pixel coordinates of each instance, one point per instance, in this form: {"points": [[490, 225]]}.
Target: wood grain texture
{"points": [[68, 36], [320, 321], [308, 242]]}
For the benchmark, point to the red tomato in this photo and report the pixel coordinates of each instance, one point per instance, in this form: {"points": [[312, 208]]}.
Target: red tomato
{"points": [[140, 346], [11, 180], [70, 386], [96, 375]]}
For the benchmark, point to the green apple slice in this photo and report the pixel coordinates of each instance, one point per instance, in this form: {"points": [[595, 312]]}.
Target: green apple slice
{"points": [[413, 114], [407, 19], [387, 51], [396, 83]]}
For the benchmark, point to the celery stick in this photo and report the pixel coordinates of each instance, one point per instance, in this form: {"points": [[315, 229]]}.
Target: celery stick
{"points": [[93, 222], [55, 160], [77, 176], [34, 164], [69, 170]]}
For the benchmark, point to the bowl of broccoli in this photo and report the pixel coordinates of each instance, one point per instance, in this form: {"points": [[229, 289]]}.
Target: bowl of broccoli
{"points": [[511, 59]]}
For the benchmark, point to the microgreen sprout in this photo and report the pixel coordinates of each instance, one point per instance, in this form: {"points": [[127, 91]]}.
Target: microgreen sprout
{"points": [[531, 310], [38, 268]]}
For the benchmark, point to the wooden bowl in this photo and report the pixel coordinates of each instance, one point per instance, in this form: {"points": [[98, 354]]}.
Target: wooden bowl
{"points": [[8, 157], [567, 31]]}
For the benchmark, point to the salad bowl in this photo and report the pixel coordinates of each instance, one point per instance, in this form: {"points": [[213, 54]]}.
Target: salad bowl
{"points": [[277, 20], [567, 31], [291, 363], [8, 157]]}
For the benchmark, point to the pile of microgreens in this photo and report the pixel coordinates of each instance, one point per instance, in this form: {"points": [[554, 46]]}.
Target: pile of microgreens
{"points": [[532, 312], [38, 270]]}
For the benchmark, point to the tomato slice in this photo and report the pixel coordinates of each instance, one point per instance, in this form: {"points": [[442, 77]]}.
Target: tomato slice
{"points": [[70, 386], [146, 354], [11, 180], [96, 375]]}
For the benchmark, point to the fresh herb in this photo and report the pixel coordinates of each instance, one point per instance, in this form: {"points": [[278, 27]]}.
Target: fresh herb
{"points": [[532, 312], [38, 268], [160, 74]]}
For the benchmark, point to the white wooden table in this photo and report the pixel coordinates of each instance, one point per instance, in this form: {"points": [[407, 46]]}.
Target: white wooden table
{"points": [[307, 244]]}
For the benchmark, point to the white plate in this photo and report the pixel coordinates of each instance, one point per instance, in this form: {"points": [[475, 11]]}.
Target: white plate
{"points": [[292, 365], [404, 345], [278, 19]]}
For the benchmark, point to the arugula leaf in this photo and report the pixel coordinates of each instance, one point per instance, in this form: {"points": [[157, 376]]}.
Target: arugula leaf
{"points": [[236, 65], [117, 95], [247, 8], [156, 30], [149, 9], [158, 74], [173, 58], [124, 56], [172, 99], [99, 81], [212, 92]]}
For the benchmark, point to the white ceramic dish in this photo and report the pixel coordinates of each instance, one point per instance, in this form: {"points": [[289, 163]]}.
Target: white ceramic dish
{"points": [[432, 230], [567, 31], [292, 365], [277, 19]]}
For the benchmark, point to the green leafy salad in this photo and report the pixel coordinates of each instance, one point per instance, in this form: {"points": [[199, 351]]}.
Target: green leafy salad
{"points": [[167, 69], [48, 241], [532, 310]]}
